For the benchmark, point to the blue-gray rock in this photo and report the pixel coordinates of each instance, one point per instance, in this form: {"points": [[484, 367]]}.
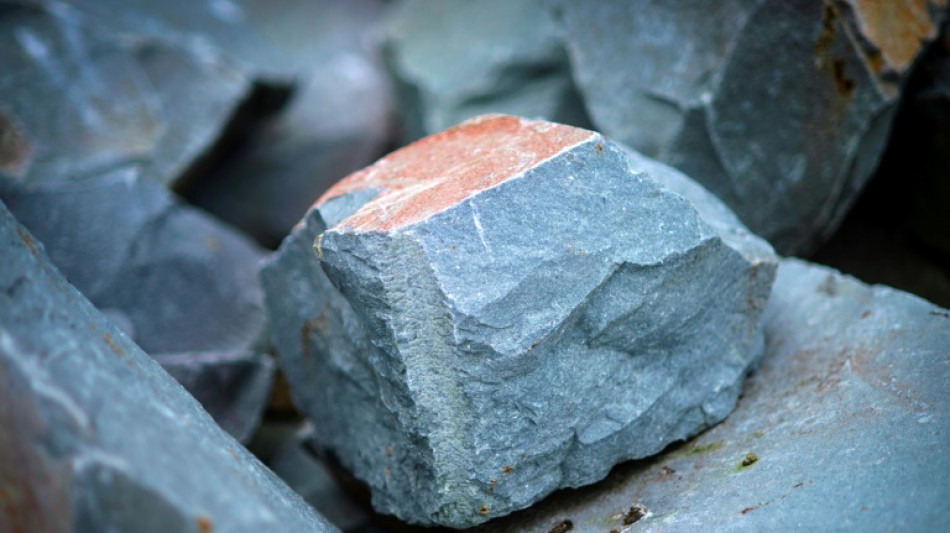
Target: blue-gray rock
{"points": [[452, 60], [82, 99], [303, 471], [336, 122], [519, 313], [780, 108], [184, 281], [95, 436], [847, 423], [232, 386]]}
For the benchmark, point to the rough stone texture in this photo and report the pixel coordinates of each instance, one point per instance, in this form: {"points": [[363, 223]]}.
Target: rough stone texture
{"points": [[789, 146], [233, 387], [848, 416], [95, 436], [81, 99], [337, 121], [184, 281], [452, 60], [500, 338]]}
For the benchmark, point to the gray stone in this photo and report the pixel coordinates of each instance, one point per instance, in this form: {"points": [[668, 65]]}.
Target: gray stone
{"points": [[310, 477], [337, 121], [500, 339], [848, 417], [232, 386], [452, 60], [184, 281], [80, 99], [779, 108], [95, 436]]}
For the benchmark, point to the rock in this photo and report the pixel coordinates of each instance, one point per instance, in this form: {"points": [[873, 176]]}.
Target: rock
{"points": [[500, 339], [95, 436], [183, 280], [303, 471], [788, 147], [337, 121], [232, 386], [80, 99], [844, 425], [453, 60]]}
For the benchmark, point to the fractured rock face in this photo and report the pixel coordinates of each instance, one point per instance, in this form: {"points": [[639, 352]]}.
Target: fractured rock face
{"points": [[453, 60], [95, 436], [519, 313], [846, 419], [779, 108]]}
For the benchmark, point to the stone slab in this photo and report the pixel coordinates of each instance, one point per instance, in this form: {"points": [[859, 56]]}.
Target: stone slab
{"points": [[95, 436]]}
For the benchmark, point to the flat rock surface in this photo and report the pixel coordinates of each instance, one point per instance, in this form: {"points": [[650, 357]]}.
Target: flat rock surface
{"points": [[453, 60], [789, 147], [847, 418], [182, 280], [232, 386], [472, 295], [95, 436]]}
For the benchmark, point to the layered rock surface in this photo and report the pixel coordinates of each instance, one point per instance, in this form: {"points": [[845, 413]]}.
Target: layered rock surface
{"points": [[787, 146], [847, 420], [95, 436], [512, 310]]}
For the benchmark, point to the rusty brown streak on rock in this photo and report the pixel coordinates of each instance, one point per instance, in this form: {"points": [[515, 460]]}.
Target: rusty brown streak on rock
{"points": [[897, 27], [444, 169]]}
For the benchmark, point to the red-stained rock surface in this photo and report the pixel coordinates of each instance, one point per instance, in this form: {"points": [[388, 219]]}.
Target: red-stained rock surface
{"points": [[444, 169]]}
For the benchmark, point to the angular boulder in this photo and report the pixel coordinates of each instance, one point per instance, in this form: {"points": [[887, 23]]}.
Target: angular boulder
{"points": [[453, 60], [780, 108], [95, 436], [846, 422], [512, 310]]}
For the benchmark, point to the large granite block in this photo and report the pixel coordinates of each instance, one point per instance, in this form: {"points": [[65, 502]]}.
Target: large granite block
{"points": [[845, 426], [95, 436], [512, 310], [780, 108]]}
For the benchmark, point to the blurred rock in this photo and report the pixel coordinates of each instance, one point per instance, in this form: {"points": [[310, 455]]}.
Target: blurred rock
{"points": [[337, 121], [95, 436], [453, 60], [297, 465], [232, 386], [78, 99], [846, 421], [183, 280], [781, 109], [475, 291]]}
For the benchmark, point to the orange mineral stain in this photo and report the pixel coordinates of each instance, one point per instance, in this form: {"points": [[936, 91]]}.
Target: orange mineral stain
{"points": [[439, 171]]}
